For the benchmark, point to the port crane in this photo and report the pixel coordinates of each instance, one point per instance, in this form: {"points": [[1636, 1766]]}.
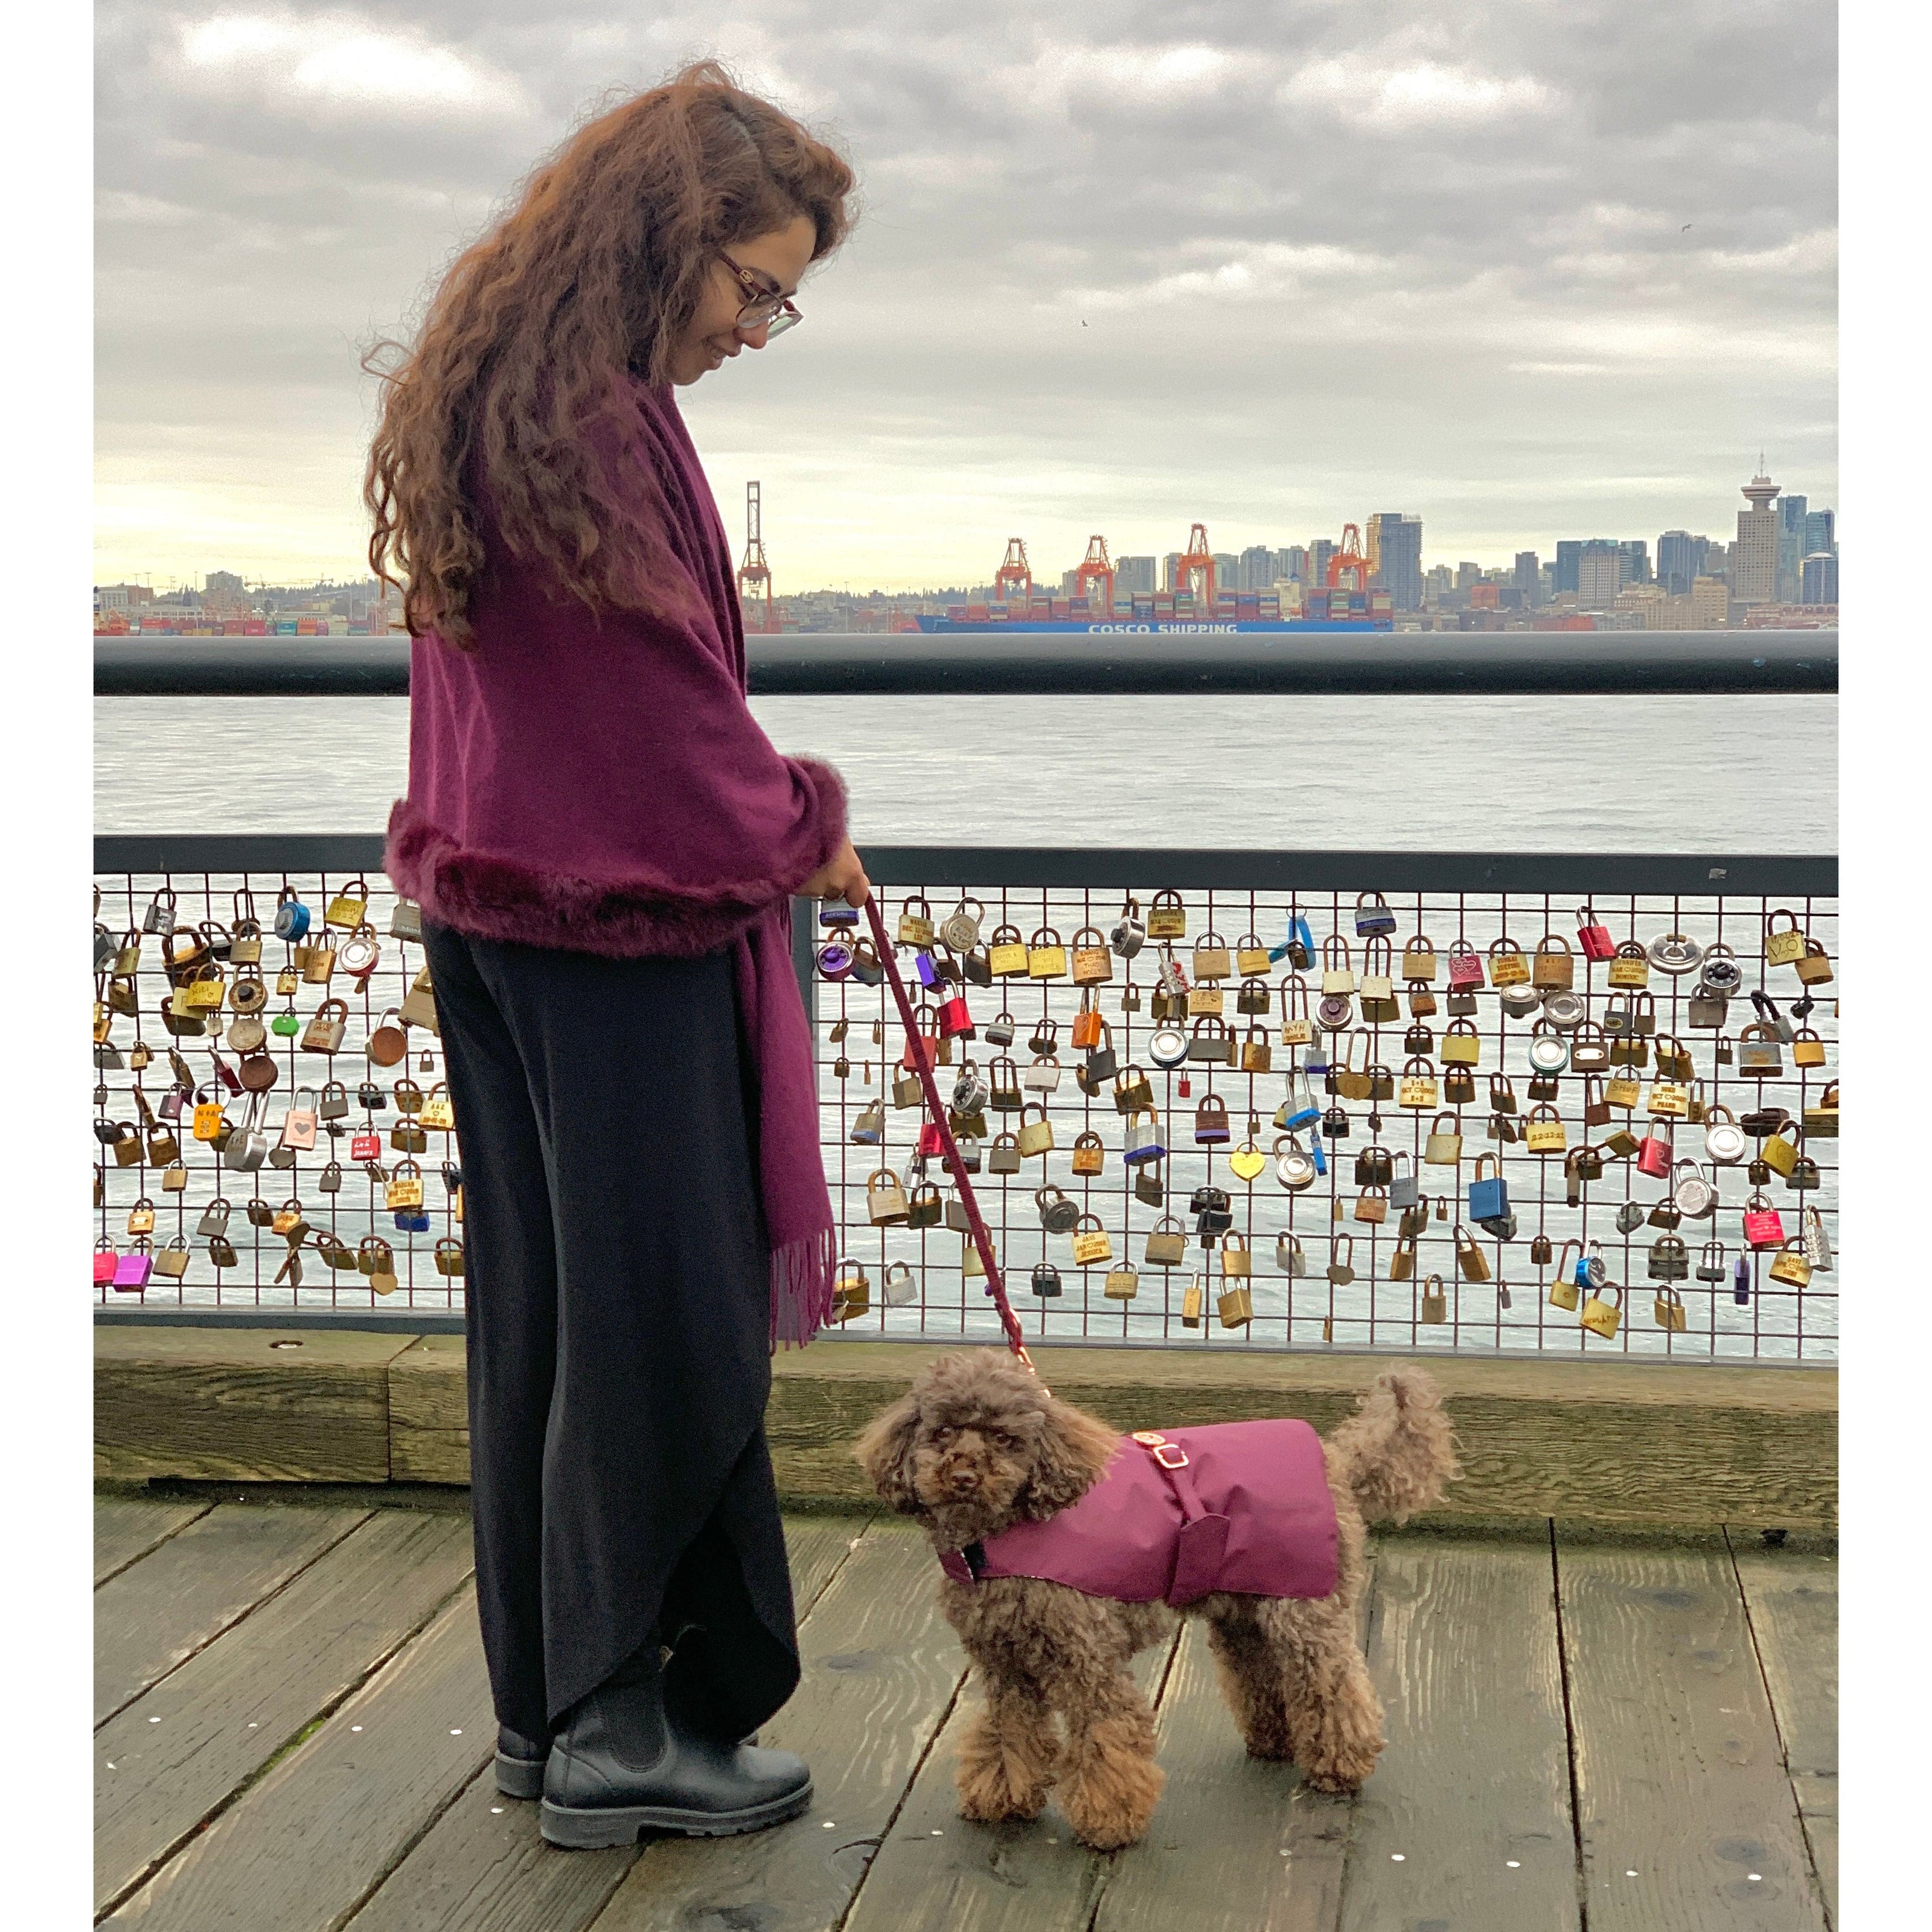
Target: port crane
{"points": [[1097, 570], [755, 576], [1195, 570], [1349, 562], [1014, 575]]}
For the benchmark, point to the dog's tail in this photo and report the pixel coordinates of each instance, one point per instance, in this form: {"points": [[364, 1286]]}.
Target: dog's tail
{"points": [[1397, 1451]]}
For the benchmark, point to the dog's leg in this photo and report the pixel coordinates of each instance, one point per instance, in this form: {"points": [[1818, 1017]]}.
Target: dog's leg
{"points": [[1334, 1717], [1252, 1679], [1008, 1755], [1112, 1784]]}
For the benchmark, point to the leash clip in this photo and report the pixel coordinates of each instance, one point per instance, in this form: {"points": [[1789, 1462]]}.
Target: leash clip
{"points": [[1158, 1446]]}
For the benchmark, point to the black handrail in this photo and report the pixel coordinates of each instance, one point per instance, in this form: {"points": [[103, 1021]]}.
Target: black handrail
{"points": [[1108, 868], [1580, 663]]}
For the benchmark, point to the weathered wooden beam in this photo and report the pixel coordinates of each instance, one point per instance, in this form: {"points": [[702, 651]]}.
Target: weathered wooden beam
{"points": [[1620, 1444]]}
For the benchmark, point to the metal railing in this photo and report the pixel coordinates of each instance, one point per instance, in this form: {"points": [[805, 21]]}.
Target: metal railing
{"points": [[1371, 1273], [1475, 663]]}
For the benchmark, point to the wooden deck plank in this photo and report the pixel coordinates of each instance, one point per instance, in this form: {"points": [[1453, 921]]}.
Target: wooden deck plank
{"points": [[126, 1527], [1473, 1790], [482, 1866], [1212, 1860], [881, 1668], [219, 1718], [1682, 1790], [1792, 1598], [165, 1607], [299, 1849], [936, 1869]]}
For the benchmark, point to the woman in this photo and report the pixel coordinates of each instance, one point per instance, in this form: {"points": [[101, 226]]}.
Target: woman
{"points": [[605, 846]]}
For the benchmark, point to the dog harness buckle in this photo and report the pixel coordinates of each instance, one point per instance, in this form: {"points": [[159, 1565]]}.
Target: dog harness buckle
{"points": [[1158, 1446]]}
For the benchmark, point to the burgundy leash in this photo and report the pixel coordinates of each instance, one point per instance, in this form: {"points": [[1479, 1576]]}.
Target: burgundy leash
{"points": [[949, 1148]]}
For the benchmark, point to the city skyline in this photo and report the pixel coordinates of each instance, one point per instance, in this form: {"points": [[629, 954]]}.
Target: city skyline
{"points": [[1535, 274]]}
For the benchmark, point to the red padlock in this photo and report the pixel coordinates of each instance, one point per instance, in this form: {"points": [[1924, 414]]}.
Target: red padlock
{"points": [[956, 1020], [105, 1261], [1764, 1226], [1594, 936], [930, 1144], [365, 1147], [920, 1048], [1465, 966], [1655, 1155]]}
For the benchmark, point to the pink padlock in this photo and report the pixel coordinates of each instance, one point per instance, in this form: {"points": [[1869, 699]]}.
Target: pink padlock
{"points": [[1764, 1226], [1594, 936], [1655, 1155], [1465, 965], [132, 1270], [105, 1259]]}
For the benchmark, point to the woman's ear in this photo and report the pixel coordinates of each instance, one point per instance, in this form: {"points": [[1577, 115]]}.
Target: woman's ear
{"points": [[1073, 1451], [884, 1451]]}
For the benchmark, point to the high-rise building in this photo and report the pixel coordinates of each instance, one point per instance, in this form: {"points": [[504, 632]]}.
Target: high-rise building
{"points": [[1568, 554], [1792, 549], [1170, 570], [1293, 563], [1819, 532], [1710, 603], [1754, 562], [1680, 561], [1635, 568], [1467, 574], [1319, 552], [1227, 571], [1437, 580], [1527, 577], [1600, 568], [1258, 568], [1818, 579], [1395, 558], [1133, 577]]}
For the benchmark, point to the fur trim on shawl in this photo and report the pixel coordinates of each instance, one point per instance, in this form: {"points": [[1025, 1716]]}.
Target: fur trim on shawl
{"points": [[499, 898]]}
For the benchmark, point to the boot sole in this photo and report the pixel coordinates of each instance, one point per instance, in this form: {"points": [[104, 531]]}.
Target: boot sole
{"points": [[519, 1777], [590, 1829]]}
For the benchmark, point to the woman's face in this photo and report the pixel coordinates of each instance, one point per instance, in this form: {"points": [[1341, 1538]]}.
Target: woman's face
{"points": [[778, 258]]}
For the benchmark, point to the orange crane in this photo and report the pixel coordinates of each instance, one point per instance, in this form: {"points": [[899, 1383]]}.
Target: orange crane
{"points": [[755, 576], [1097, 569], [1197, 563], [1350, 560], [1016, 571]]}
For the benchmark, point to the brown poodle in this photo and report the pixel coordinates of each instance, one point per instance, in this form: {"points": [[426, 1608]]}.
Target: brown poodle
{"points": [[979, 1445]]}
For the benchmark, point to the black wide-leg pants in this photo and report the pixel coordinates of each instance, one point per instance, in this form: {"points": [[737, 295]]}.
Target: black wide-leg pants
{"points": [[618, 1311]]}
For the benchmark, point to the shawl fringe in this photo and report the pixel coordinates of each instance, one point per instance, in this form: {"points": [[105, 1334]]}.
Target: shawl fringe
{"points": [[802, 1272]]}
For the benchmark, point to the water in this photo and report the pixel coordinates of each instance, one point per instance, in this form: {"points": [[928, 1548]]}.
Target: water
{"points": [[1529, 774]]}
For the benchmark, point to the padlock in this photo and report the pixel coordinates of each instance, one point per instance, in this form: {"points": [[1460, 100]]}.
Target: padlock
{"points": [[404, 1188], [1046, 1282], [1593, 936], [1418, 1088], [288, 1221], [1764, 1226], [1166, 1244], [1123, 1283], [1461, 1044], [886, 1204], [1601, 1315], [1444, 1146], [1821, 1120], [916, 927], [961, 928], [1372, 915], [1759, 1055], [299, 1124], [1341, 1260], [1488, 1195], [1036, 1137], [1783, 946], [1667, 1311], [1806, 1049], [1471, 1261], [1293, 1167], [1655, 1155], [1553, 966], [1790, 1266], [1058, 1215], [1692, 1196], [1210, 1122], [1814, 969], [1091, 1242], [1711, 1262], [1675, 953], [1432, 1304], [1817, 1248], [1003, 1156]]}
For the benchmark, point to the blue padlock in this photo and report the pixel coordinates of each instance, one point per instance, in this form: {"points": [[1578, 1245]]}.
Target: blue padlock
{"points": [[413, 1220], [1372, 920], [292, 916], [836, 912], [1741, 1282], [1488, 1194], [1591, 1272], [1299, 1109], [927, 967], [1298, 948], [1315, 1152]]}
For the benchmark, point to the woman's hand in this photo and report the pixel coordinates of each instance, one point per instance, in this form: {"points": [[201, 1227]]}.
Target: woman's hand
{"points": [[844, 878]]}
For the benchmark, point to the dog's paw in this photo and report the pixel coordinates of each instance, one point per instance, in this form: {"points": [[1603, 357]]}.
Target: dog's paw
{"points": [[1271, 1745]]}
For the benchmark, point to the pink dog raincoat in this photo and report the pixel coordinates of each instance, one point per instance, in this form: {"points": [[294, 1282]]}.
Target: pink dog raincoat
{"points": [[1230, 1506]]}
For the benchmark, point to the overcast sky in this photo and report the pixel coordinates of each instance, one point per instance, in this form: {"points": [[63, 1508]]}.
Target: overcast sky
{"points": [[1528, 271]]}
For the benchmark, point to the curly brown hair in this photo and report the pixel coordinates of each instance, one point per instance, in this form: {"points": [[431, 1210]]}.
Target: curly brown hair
{"points": [[535, 339]]}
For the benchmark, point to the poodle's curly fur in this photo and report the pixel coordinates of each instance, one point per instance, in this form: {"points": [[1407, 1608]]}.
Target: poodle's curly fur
{"points": [[978, 1444]]}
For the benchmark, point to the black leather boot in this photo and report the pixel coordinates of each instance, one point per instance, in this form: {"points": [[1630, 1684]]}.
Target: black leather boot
{"points": [[519, 1763], [622, 1765]]}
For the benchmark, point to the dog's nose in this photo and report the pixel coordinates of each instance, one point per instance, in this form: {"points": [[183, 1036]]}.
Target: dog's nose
{"points": [[964, 1479]]}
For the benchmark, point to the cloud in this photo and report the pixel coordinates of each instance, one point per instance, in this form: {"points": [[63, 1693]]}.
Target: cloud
{"points": [[1422, 94], [340, 63]]}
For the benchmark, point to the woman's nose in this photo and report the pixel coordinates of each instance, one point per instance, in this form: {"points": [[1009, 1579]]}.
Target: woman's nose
{"points": [[755, 338]]}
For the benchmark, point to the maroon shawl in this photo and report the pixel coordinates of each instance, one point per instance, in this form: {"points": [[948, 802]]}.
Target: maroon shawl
{"points": [[602, 786]]}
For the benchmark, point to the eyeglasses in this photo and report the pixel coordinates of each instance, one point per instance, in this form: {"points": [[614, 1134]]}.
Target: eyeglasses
{"points": [[764, 307]]}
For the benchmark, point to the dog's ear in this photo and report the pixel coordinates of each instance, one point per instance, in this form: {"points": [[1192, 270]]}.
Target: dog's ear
{"points": [[1073, 1449], [884, 1450]]}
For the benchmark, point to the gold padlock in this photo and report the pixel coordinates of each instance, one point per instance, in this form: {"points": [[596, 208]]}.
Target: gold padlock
{"points": [[1123, 1283], [1783, 946], [1046, 957], [1235, 1305], [1007, 954], [1434, 1301], [1601, 1316], [1192, 1297], [1036, 1137], [1668, 1309], [1790, 1266]]}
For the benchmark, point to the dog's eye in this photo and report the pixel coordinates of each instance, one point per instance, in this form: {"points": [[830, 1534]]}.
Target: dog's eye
{"points": [[942, 1435]]}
